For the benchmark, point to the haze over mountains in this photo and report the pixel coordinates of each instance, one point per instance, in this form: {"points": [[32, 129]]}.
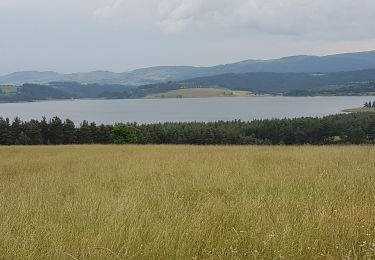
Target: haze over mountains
{"points": [[295, 64]]}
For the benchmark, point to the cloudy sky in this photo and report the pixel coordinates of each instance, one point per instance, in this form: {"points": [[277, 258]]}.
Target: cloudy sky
{"points": [[120, 35]]}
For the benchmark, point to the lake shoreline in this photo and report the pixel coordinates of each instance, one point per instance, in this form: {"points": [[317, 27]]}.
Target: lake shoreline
{"points": [[171, 98], [212, 109]]}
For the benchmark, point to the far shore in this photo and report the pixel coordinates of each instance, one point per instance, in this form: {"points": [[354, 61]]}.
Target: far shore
{"points": [[252, 95]]}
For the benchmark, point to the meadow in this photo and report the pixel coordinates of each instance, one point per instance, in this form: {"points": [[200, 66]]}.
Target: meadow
{"points": [[8, 89], [187, 202]]}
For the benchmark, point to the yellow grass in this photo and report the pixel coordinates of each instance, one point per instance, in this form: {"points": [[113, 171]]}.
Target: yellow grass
{"points": [[187, 202], [201, 92]]}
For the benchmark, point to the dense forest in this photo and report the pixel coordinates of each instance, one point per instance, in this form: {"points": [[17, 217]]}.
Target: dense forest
{"points": [[360, 89], [336, 129], [284, 82]]}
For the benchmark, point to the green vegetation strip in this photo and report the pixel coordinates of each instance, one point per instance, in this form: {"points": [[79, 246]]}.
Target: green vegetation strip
{"points": [[360, 110]]}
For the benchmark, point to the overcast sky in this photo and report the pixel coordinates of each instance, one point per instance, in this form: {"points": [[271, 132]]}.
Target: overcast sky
{"points": [[120, 35]]}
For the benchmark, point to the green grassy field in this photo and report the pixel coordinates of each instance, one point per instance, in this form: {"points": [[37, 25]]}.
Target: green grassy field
{"points": [[187, 202], [8, 89], [201, 92], [360, 110]]}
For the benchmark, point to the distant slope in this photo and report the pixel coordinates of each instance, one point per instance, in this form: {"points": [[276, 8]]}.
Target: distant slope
{"points": [[354, 89], [304, 63], [18, 78], [281, 82], [57, 90], [87, 90], [32, 92], [295, 64]]}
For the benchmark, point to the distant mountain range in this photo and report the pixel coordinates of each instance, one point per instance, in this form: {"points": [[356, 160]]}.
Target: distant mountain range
{"points": [[295, 64]]}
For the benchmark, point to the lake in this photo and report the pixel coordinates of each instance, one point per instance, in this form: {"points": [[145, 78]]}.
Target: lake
{"points": [[182, 110]]}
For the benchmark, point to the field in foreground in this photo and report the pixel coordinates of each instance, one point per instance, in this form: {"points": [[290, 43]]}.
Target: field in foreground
{"points": [[187, 202]]}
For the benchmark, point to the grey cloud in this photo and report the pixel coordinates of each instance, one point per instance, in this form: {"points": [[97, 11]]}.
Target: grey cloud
{"points": [[341, 19], [119, 35]]}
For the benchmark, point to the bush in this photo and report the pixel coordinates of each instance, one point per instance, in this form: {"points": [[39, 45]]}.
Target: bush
{"points": [[125, 134]]}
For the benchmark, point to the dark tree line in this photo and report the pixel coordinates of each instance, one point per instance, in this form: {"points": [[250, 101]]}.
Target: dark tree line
{"points": [[54, 132], [337, 129], [353, 89], [369, 104]]}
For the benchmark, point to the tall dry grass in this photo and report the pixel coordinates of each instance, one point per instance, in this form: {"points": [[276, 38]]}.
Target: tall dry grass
{"points": [[186, 202]]}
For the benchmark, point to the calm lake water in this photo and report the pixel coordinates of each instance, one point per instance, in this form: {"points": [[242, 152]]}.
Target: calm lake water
{"points": [[182, 110]]}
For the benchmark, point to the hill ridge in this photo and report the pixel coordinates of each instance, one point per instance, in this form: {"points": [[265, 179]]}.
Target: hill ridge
{"points": [[298, 64]]}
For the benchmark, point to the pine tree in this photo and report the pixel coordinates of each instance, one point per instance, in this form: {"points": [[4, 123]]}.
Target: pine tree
{"points": [[23, 139], [93, 133], [84, 134], [55, 131], [5, 132], [70, 133], [16, 129], [33, 132], [104, 134], [43, 125]]}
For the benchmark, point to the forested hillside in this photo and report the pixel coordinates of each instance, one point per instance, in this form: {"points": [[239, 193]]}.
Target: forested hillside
{"points": [[359, 89], [56, 90], [284, 82]]}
